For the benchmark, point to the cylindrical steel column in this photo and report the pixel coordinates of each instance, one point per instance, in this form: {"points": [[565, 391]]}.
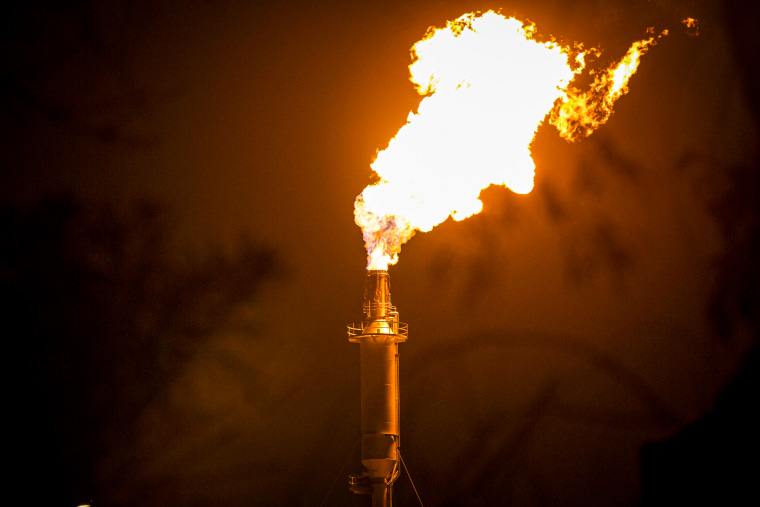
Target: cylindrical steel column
{"points": [[378, 338], [379, 403]]}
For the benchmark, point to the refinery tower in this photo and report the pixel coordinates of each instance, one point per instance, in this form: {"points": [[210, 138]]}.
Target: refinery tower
{"points": [[378, 337]]}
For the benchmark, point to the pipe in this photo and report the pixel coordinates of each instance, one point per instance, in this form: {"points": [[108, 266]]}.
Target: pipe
{"points": [[378, 337]]}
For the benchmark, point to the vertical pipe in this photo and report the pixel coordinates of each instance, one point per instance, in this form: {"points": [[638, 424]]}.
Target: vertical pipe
{"points": [[381, 495], [378, 340]]}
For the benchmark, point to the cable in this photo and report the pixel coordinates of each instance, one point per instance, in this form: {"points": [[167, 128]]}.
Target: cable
{"points": [[340, 472], [410, 478]]}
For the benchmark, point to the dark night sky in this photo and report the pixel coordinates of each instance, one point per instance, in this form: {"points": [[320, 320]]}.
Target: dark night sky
{"points": [[551, 337]]}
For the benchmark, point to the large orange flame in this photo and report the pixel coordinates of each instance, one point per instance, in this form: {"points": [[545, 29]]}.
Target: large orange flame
{"points": [[487, 86]]}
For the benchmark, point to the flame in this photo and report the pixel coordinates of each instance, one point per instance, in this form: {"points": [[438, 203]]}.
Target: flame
{"points": [[692, 26], [487, 85], [578, 114]]}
